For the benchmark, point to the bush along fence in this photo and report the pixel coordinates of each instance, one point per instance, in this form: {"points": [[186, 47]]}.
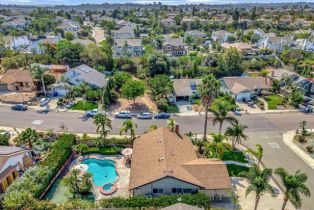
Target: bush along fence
{"points": [[34, 182]]}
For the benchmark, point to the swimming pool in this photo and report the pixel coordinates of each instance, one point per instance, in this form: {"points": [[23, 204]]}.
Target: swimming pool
{"points": [[103, 171]]}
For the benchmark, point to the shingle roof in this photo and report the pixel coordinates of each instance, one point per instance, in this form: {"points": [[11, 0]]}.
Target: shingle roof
{"points": [[130, 42], [162, 153], [182, 87], [239, 84], [174, 41], [125, 29], [16, 75]]}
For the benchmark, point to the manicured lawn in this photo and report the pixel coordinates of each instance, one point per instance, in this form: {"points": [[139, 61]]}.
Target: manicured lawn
{"points": [[235, 156], [88, 106], [235, 170], [273, 101], [105, 150]]}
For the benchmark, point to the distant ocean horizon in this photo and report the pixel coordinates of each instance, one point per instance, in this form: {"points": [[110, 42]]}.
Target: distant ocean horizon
{"points": [[167, 2]]}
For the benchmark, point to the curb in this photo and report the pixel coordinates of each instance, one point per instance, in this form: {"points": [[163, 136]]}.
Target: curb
{"points": [[288, 140]]}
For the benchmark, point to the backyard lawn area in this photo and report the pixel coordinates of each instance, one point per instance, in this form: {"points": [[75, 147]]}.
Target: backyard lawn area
{"points": [[88, 106], [273, 101]]}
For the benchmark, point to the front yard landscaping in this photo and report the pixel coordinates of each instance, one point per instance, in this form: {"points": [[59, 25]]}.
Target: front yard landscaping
{"points": [[237, 156], [273, 101], [235, 170], [87, 106]]}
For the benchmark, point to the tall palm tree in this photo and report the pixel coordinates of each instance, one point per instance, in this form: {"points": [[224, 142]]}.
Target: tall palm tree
{"points": [[84, 88], [295, 185], [38, 73], [258, 182], [208, 90], [28, 136], [103, 125], [171, 123], [236, 134], [221, 114], [258, 153], [128, 125]]}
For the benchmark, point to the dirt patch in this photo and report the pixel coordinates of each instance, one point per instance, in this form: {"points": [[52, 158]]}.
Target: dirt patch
{"points": [[143, 104], [17, 97]]}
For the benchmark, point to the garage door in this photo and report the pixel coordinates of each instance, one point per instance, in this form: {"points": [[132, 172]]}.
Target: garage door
{"points": [[242, 96]]}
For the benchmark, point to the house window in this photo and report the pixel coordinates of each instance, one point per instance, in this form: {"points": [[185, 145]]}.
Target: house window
{"points": [[187, 190], [158, 191]]}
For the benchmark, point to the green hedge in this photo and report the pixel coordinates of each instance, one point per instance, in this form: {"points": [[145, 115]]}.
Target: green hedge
{"points": [[235, 170], [199, 199], [36, 179], [104, 150]]}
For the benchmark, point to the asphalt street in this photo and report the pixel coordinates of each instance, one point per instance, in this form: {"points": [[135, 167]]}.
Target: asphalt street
{"points": [[264, 129]]}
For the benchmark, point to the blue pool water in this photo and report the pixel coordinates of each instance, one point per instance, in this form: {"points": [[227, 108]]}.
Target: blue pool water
{"points": [[103, 171]]}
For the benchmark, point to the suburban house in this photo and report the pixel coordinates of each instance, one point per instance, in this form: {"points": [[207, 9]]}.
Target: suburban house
{"points": [[174, 47], [278, 43], [241, 47], [70, 26], [168, 22], [242, 88], [126, 32], [165, 162], [17, 80], [12, 161], [17, 42], [84, 73], [281, 75], [184, 89], [16, 23], [181, 206], [221, 36], [123, 23], [128, 48], [37, 41], [196, 34]]}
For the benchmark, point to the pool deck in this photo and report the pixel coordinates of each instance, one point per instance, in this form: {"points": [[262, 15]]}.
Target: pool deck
{"points": [[122, 169]]}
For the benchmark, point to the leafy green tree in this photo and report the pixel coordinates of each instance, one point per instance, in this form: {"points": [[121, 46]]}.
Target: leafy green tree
{"points": [[133, 89], [4, 139], [120, 78], [79, 183], [294, 186], [236, 134], [171, 123], [275, 86], [81, 148], [28, 136], [158, 64], [103, 125], [93, 55], [160, 86], [296, 98], [128, 125], [38, 74], [258, 182], [68, 53], [9, 63], [258, 153], [208, 90], [69, 36], [230, 63], [221, 114]]}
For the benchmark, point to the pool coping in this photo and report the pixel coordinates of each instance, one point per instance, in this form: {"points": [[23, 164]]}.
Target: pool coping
{"points": [[90, 156]]}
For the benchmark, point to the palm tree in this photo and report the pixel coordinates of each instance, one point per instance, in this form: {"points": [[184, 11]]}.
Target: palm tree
{"points": [[208, 90], [258, 182], [221, 114], [103, 125], [302, 133], [217, 140], [128, 125], [258, 153], [84, 88], [38, 73], [28, 136], [236, 134], [171, 123], [294, 184]]}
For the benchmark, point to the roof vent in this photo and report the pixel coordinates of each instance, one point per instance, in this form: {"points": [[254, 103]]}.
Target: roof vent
{"points": [[161, 158], [160, 141]]}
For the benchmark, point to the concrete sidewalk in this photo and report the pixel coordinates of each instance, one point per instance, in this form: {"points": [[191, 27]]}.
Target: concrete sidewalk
{"points": [[288, 140]]}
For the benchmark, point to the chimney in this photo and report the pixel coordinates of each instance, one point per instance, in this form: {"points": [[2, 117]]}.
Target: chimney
{"points": [[176, 128]]}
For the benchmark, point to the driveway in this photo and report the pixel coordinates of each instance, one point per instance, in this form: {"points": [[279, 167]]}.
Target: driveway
{"points": [[184, 106]]}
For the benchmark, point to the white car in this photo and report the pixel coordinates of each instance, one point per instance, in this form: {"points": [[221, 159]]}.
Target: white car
{"points": [[94, 112], [44, 101]]}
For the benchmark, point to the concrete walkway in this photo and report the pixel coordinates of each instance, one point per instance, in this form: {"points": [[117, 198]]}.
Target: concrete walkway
{"points": [[288, 140]]}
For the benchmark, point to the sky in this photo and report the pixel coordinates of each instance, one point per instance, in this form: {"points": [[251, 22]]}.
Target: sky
{"points": [[170, 2]]}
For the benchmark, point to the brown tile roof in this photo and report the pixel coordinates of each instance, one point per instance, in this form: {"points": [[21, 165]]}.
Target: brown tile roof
{"points": [[16, 75], [182, 87], [162, 153]]}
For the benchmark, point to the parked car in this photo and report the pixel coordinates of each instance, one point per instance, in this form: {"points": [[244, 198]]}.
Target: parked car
{"points": [[19, 107], [162, 115], [123, 114], [44, 101], [94, 112], [237, 111], [145, 115]]}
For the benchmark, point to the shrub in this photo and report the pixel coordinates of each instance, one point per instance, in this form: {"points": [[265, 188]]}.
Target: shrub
{"points": [[199, 199], [103, 150], [309, 149], [162, 104], [37, 178]]}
